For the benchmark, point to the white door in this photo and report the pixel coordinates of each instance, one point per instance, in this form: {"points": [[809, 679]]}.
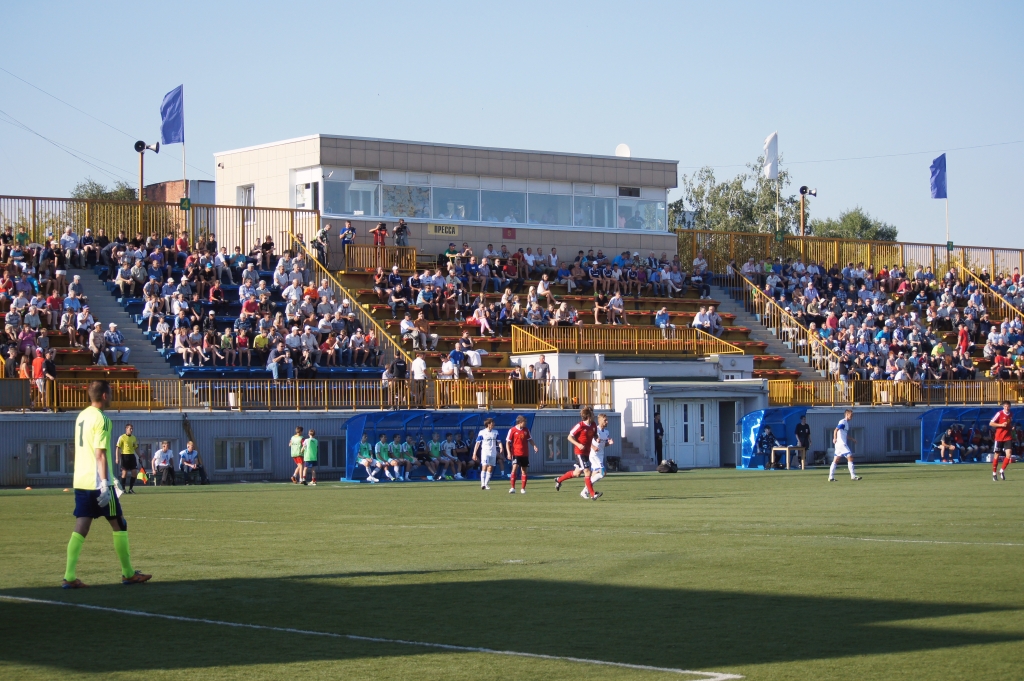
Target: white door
{"points": [[691, 432]]}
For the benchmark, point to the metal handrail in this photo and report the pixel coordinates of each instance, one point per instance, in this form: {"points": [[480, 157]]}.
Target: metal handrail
{"points": [[993, 299], [785, 326], [389, 347], [620, 340]]}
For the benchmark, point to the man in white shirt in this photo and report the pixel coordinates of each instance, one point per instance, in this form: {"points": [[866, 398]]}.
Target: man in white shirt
{"points": [[163, 465], [419, 379], [486, 451], [841, 441], [602, 438]]}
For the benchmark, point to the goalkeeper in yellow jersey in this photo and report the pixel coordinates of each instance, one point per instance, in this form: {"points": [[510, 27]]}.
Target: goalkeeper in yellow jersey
{"points": [[95, 497]]}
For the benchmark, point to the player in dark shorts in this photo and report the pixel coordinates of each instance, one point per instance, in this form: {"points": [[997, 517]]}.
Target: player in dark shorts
{"points": [[517, 444], [126, 453], [581, 437], [464, 455]]}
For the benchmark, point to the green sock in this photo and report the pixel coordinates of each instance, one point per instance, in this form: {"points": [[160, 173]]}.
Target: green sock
{"points": [[121, 548], [74, 550]]}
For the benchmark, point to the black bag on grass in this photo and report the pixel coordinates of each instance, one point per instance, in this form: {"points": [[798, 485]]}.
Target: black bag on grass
{"points": [[668, 466]]}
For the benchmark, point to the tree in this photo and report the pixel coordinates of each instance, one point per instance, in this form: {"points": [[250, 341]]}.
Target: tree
{"points": [[91, 189], [746, 203], [853, 224]]}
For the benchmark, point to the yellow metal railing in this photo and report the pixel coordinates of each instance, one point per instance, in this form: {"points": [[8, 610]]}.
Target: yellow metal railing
{"points": [[389, 347], [893, 393], [997, 306], [720, 247], [367, 258], [620, 340], [784, 325], [42, 218], [327, 394]]}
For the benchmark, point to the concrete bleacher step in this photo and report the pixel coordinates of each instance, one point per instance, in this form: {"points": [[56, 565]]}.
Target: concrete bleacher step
{"points": [[106, 309], [760, 334]]}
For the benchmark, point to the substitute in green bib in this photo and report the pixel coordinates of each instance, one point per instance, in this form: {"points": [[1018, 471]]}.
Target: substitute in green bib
{"points": [[310, 452]]}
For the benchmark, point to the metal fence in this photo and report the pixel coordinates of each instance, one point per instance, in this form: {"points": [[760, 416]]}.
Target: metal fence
{"points": [[998, 307], [312, 394], [620, 340], [47, 218], [720, 248], [892, 393], [367, 258]]}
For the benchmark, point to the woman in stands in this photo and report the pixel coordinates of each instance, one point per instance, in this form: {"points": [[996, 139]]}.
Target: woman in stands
{"points": [[195, 344], [242, 348], [479, 318]]}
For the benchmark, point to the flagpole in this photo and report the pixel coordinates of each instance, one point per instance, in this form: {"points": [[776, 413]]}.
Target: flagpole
{"points": [[778, 182], [947, 219]]}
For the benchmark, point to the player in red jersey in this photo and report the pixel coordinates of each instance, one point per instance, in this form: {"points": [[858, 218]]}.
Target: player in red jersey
{"points": [[582, 438], [1002, 426], [517, 448]]}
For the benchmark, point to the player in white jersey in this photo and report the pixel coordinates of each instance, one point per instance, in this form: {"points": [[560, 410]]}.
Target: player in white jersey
{"points": [[486, 451], [841, 440], [601, 440]]}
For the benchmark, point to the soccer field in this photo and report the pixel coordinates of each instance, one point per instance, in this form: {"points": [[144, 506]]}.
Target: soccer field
{"points": [[913, 572]]}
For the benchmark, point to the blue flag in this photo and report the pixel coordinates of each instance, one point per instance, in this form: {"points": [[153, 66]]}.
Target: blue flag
{"points": [[172, 117], [939, 177]]}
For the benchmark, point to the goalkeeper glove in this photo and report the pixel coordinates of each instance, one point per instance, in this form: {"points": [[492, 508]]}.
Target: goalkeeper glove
{"points": [[104, 498]]}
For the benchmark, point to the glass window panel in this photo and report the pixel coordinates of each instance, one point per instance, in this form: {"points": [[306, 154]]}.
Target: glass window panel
{"points": [[33, 463], [593, 212], [351, 198], [301, 195], [550, 209], [338, 453], [507, 207], [646, 215], [220, 455], [456, 204], [237, 454], [405, 202], [53, 458], [256, 454], [686, 423], [69, 458]]}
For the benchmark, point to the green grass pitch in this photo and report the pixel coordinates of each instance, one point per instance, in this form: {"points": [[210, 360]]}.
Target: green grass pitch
{"points": [[911, 573]]}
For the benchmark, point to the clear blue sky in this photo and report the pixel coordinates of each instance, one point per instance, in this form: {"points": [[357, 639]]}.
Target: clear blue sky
{"points": [[699, 83]]}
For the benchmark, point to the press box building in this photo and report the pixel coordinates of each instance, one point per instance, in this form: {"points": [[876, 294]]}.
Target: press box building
{"points": [[460, 193]]}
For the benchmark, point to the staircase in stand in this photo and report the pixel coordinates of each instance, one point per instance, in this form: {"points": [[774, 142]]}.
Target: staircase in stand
{"points": [[775, 345]]}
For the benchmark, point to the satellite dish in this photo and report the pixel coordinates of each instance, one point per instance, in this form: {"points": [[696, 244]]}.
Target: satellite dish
{"points": [[622, 150]]}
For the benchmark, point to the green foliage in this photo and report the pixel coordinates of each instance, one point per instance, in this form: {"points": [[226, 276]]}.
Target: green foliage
{"points": [[853, 224], [746, 203], [91, 189]]}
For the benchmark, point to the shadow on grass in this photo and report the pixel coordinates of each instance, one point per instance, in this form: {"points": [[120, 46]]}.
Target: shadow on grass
{"points": [[640, 625]]}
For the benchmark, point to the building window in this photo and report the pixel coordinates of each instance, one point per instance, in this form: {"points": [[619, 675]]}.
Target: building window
{"points": [[247, 195], [50, 458], [556, 447], [351, 198], [405, 202], [302, 195], [332, 453], [550, 209], [507, 207], [646, 215], [368, 175], [902, 440], [593, 212], [456, 204], [240, 455], [633, 192]]}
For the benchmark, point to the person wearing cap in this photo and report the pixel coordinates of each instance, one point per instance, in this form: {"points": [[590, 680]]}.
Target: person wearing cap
{"points": [[97, 343], [116, 348], [310, 347], [70, 242]]}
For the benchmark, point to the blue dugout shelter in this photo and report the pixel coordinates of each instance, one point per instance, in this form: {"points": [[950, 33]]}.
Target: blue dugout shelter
{"points": [[935, 422], [783, 423], [417, 422]]}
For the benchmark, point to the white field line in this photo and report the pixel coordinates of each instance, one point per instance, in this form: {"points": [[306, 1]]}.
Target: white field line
{"points": [[709, 676], [607, 531]]}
